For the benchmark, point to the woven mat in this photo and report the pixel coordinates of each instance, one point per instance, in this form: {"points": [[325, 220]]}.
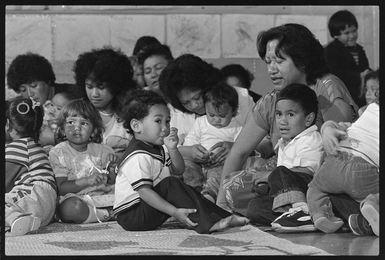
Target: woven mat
{"points": [[170, 239]]}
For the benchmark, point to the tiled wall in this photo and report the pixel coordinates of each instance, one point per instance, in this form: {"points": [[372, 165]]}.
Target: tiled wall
{"points": [[218, 34]]}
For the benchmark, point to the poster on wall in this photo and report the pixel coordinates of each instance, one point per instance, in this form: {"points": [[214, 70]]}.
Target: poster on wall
{"points": [[195, 34], [239, 33], [34, 29], [317, 24], [74, 35], [126, 29]]}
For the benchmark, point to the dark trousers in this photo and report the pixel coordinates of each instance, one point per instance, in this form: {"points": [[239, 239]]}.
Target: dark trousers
{"points": [[281, 179], [143, 217], [284, 188], [287, 187]]}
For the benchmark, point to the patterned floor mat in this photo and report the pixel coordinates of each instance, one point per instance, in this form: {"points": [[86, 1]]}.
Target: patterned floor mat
{"points": [[110, 239]]}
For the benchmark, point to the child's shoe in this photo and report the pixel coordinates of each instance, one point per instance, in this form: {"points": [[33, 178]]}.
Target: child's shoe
{"points": [[359, 225], [24, 224], [371, 213], [295, 220], [328, 225]]}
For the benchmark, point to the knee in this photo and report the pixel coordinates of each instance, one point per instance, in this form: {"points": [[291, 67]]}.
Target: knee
{"points": [[73, 210]]}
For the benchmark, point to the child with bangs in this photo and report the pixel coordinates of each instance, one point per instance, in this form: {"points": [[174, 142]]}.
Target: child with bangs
{"points": [[217, 125], [82, 164]]}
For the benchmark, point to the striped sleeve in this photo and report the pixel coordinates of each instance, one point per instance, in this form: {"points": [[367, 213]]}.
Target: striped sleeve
{"points": [[17, 152]]}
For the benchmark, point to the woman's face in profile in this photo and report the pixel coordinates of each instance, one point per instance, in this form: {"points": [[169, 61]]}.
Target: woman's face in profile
{"points": [[282, 70], [192, 100]]}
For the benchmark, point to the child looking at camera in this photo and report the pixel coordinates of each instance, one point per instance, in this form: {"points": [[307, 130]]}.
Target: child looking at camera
{"points": [[145, 194], [300, 154], [30, 187], [80, 164], [221, 104], [344, 56]]}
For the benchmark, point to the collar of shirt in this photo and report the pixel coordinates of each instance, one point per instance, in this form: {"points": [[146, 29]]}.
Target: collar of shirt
{"points": [[281, 142]]}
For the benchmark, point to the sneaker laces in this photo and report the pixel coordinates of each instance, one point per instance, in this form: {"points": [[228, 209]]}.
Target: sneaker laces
{"points": [[289, 213]]}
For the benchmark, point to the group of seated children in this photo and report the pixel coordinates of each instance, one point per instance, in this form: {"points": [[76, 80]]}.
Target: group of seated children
{"points": [[114, 156]]}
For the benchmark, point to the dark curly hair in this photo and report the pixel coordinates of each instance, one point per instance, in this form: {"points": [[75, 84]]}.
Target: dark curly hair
{"points": [[238, 71], [154, 50], [299, 43], [143, 42], [84, 108], [302, 95], [106, 65], [27, 68], [339, 20], [26, 120], [137, 106], [187, 72], [222, 93]]}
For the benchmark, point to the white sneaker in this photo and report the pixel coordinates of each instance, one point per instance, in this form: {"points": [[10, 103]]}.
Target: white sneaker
{"points": [[24, 225]]}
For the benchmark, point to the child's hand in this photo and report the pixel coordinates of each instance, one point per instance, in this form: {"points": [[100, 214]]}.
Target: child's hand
{"points": [[219, 152], [171, 141], [112, 158], [97, 179], [182, 216], [200, 154]]}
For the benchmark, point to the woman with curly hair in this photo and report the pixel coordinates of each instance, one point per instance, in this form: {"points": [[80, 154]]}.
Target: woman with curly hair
{"points": [[292, 55], [106, 75], [184, 83]]}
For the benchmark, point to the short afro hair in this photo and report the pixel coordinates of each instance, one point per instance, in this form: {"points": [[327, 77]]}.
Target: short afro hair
{"points": [[27, 68], [106, 65]]}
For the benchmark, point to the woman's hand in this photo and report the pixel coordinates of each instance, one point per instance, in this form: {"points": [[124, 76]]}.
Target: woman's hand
{"points": [[182, 216], [171, 141], [199, 154], [219, 152]]}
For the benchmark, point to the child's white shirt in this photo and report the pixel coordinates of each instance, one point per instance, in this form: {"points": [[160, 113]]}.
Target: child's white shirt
{"points": [[137, 170], [185, 121], [207, 135], [364, 135], [304, 150]]}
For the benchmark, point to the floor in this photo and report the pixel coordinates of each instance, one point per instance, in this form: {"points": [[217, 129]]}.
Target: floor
{"points": [[337, 243]]}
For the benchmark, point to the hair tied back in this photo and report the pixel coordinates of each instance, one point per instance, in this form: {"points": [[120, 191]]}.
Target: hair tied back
{"points": [[23, 108]]}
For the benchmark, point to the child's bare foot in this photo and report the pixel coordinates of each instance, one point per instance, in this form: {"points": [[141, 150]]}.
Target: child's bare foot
{"points": [[238, 221], [230, 221]]}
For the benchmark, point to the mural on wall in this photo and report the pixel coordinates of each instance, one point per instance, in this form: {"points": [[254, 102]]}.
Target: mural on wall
{"points": [[126, 29], [316, 23], [197, 34], [239, 33], [32, 29], [75, 34]]}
